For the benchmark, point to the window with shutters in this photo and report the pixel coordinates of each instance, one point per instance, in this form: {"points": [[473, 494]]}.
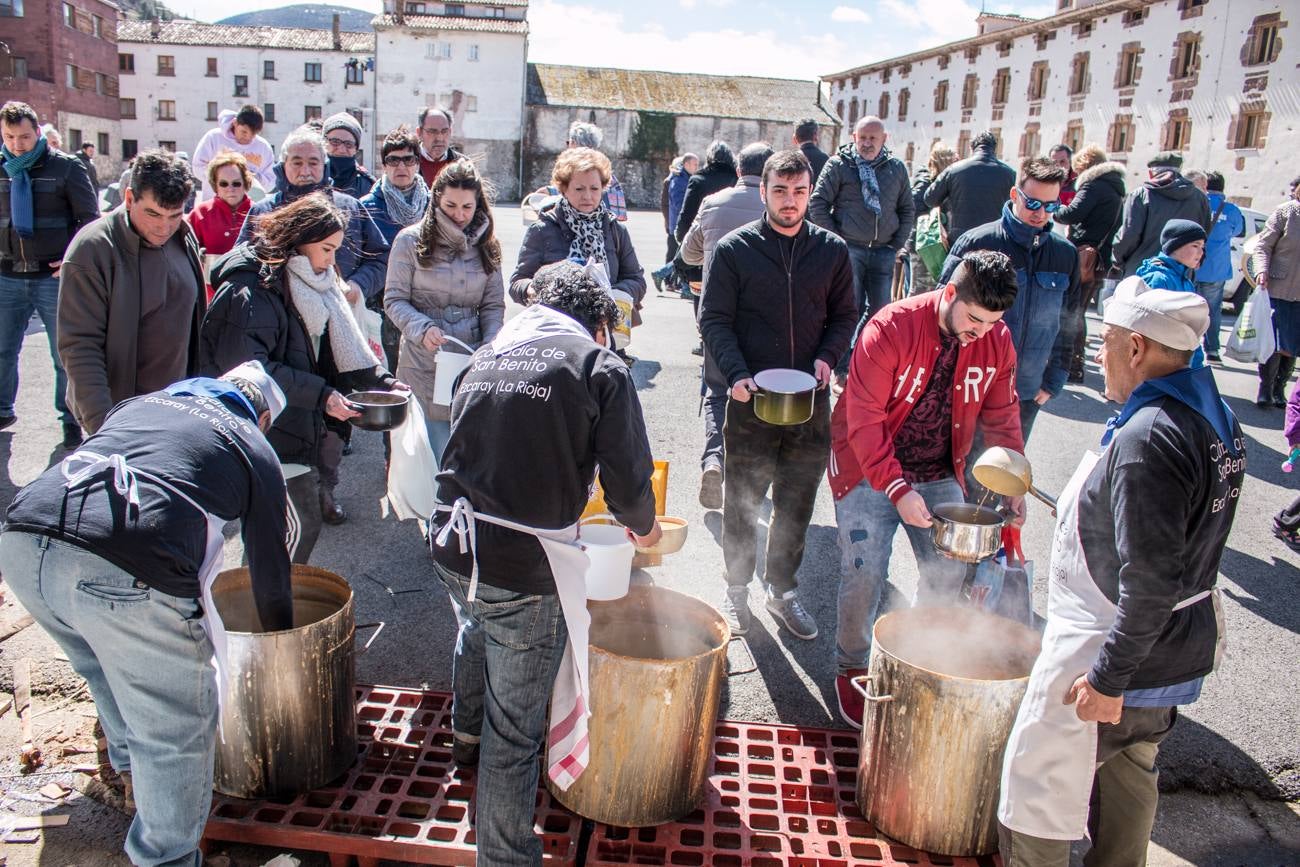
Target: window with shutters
{"points": [[241, 85], [969, 91], [1002, 86], [212, 67], [126, 64], [1126, 75], [1079, 78], [311, 72], [1178, 131], [166, 109], [167, 145], [268, 70], [941, 96], [166, 64], [839, 109], [1249, 127], [17, 66], [69, 18], [268, 112], [310, 112], [882, 108], [1120, 137], [904, 103], [101, 140], [1031, 143], [1134, 17], [1187, 56], [1262, 42], [126, 108], [1074, 135], [853, 112], [963, 144], [356, 73], [130, 147], [70, 76], [212, 111], [1038, 76], [74, 139]]}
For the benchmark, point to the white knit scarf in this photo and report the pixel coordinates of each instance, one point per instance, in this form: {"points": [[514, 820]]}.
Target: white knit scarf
{"points": [[320, 302]]}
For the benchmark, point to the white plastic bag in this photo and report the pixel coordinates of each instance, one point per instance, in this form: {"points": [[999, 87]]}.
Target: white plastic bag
{"points": [[372, 326], [411, 486], [1252, 339], [622, 332]]}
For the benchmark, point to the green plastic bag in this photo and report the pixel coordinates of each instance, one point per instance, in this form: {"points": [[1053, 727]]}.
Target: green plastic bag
{"points": [[930, 248]]}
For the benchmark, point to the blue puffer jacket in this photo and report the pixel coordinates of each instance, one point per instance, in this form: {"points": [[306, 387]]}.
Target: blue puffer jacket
{"points": [[676, 195], [1218, 247], [1165, 272], [1047, 271]]}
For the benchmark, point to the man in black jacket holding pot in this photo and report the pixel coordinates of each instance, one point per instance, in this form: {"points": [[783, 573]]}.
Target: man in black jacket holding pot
{"points": [[779, 295]]}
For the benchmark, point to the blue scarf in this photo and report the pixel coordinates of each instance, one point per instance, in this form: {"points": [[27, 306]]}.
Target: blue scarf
{"points": [[867, 177], [218, 389], [1193, 386], [21, 204]]}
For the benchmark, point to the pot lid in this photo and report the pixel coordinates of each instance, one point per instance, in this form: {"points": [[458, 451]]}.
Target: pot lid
{"points": [[784, 381]]}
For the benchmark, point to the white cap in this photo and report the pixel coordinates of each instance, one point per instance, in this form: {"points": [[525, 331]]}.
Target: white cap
{"points": [[1176, 319], [254, 372]]}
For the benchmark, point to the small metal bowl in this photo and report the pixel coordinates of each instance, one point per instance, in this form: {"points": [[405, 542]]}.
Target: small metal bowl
{"points": [[380, 410]]}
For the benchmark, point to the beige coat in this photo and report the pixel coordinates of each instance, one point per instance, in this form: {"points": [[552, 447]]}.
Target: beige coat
{"points": [[453, 293], [1277, 253]]}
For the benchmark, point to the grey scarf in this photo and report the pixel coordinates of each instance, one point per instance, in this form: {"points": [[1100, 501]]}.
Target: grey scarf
{"points": [[320, 302], [405, 208], [867, 177]]}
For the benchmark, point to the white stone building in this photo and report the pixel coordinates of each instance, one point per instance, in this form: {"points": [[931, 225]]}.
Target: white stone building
{"points": [[177, 76], [1212, 79], [469, 58]]}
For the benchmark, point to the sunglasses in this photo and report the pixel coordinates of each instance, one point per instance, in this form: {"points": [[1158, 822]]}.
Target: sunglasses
{"points": [[235, 184], [1035, 204], [344, 143], [400, 161]]}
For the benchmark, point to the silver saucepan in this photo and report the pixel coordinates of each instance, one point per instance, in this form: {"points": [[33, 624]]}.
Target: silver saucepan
{"points": [[784, 396], [966, 532]]}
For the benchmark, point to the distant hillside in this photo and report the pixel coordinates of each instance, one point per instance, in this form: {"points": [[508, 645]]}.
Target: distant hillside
{"points": [[304, 15], [145, 10]]}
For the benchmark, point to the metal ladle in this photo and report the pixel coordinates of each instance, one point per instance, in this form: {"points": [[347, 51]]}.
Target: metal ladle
{"points": [[1008, 473]]}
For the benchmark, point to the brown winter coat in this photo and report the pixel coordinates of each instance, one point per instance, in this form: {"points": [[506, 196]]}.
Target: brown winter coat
{"points": [[1277, 253]]}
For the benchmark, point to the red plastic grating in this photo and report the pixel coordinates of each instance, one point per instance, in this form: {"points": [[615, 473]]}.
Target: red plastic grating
{"points": [[777, 797], [403, 800]]}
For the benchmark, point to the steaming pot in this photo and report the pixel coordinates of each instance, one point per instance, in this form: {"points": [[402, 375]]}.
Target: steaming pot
{"points": [[966, 532], [657, 660], [942, 691], [289, 719]]}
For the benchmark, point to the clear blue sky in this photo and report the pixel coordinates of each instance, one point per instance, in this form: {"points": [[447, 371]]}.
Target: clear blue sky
{"points": [[783, 38]]}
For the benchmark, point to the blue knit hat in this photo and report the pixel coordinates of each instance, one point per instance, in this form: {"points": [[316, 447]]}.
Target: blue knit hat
{"points": [[1180, 233]]}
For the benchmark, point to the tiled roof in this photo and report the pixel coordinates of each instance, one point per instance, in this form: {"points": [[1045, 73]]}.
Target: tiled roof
{"points": [[231, 35], [778, 99], [452, 22]]}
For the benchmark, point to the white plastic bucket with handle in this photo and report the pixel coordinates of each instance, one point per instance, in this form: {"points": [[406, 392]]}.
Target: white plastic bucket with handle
{"points": [[449, 363], [611, 553]]}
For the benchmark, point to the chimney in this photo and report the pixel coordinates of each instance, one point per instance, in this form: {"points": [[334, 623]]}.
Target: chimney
{"points": [[338, 39], [399, 11], [155, 28]]}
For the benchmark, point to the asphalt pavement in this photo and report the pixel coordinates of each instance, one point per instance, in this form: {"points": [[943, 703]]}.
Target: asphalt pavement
{"points": [[1235, 753]]}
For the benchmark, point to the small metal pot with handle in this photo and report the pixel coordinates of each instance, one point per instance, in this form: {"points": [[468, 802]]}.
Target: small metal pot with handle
{"points": [[966, 532], [784, 396]]}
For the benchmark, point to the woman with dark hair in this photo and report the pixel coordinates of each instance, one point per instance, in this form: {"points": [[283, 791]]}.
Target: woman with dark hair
{"points": [[280, 301], [444, 281]]}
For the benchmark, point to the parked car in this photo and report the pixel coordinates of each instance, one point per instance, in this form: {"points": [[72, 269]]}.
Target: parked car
{"points": [[1237, 289]]}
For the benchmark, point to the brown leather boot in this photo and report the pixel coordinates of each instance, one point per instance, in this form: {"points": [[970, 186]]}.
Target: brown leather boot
{"points": [[330, 511]]}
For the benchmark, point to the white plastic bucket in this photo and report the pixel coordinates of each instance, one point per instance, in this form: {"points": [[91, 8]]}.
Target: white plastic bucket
{"points": [[611, 553], [449, 363], [623, 333]]}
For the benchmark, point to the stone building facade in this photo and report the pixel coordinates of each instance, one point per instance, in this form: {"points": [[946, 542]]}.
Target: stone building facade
{"points": [[177, 76], [60, 57], [1211, 79], [649, 118]]}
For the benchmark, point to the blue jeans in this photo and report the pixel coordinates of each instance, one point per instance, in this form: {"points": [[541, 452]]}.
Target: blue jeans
{"points": [[867, 521], [18, 299], [508, 651], [1213, 295], [439, 433], [147, 660], [873, 277]]}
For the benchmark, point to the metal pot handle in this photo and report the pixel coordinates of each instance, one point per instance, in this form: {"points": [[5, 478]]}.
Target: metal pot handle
{"points": [[753, 663], [378, 626], [860, 682]]}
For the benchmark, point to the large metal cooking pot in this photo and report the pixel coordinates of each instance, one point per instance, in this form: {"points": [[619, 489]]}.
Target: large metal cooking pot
{"points": [[289, 719], [942, 689], [380, 410], [784, 396], [657, 661], [966, 532]]}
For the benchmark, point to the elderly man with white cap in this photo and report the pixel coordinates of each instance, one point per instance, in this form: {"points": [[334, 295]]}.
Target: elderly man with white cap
{"points": [[1134, 622], [113, 552]]}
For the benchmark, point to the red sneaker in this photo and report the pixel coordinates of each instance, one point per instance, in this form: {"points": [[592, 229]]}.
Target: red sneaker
{"points": [[850, 700]]}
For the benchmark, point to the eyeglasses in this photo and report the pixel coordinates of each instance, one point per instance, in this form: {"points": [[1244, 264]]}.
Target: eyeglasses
{"points": [[1035, 204], [345, 144], [401, 161], [236, 184]]}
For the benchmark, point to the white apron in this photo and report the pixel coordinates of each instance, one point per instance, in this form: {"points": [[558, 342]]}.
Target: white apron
{"points": [[567, 745], [124, 482], [1051, 756]]}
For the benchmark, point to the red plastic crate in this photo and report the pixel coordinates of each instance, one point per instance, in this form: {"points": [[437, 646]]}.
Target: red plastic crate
{"points": [[403, 800], [777, 797]]}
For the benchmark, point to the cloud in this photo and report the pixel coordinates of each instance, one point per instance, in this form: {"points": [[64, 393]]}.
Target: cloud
{"points": [[850, 15], [585, 35]]}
